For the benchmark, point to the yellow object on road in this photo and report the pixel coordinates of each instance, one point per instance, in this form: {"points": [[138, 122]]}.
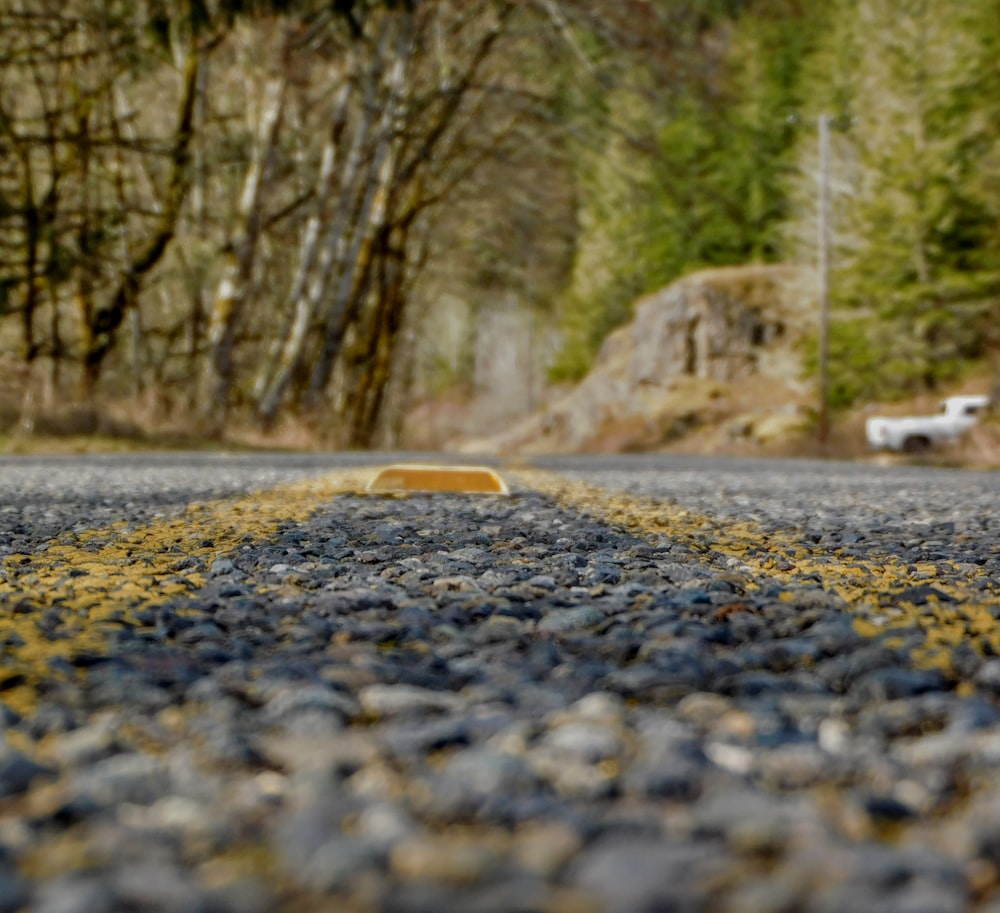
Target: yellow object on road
{"points": [[460, 479]]}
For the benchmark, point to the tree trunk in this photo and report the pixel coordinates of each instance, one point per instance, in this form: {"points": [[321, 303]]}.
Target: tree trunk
{"points": [[403, 178], [107, 319], [232, 290], [371, 219], [315, 260], [32, 232], [369, 395]]}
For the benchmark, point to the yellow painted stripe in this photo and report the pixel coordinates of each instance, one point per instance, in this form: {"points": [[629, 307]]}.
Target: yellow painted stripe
{"points": [[128, 568], [873, 588], [100, 578]]}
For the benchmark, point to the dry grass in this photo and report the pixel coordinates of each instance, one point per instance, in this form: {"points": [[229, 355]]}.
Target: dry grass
{"points": [[134, 425], [979, 449], [145, 424]]}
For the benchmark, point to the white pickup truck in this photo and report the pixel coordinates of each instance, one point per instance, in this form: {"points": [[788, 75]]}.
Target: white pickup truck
{"points": [[918, 433]]}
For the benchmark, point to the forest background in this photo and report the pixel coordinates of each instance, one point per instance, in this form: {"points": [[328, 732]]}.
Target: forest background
{"points": [[322, 213]]}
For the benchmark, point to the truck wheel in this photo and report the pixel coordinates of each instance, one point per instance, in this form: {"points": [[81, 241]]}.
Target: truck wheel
{"points": [[916, 443]]}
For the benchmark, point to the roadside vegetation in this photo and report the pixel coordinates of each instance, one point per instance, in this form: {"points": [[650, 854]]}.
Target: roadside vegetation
{"points": [[282, 221]]}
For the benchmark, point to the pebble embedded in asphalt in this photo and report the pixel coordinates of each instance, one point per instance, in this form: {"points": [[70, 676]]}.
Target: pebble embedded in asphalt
{"points": [[436, 703]]}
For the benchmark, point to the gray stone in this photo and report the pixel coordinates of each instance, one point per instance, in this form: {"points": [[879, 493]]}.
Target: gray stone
{"points": [[565, 621], [221, 567], [474, 777], [314, 699], [584, 741], [405, 700], [135, 778], [641, 876], [14, 893], [156, 887], [74, 894], [18, 772], [336, 864]]}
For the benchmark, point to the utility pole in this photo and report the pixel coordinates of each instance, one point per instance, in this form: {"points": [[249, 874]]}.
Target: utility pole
{"points": [[823, 271]]}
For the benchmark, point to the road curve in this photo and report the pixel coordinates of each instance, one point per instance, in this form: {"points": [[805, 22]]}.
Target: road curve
{"points": [[239, 683]]}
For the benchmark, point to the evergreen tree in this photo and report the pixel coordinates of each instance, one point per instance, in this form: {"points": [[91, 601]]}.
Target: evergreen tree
{"points": [[915, 228], [718, 195], [693, 173]]}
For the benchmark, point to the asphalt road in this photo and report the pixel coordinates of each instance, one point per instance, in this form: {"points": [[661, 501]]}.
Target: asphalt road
{"points": [[234, 683], [866, 532]]}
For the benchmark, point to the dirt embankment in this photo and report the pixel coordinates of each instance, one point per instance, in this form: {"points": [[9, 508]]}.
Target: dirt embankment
{"points": [[718, 352], [713, 364]]}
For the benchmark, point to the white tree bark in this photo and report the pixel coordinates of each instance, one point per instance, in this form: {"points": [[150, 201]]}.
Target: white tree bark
{"points": [[372, 217], [231, 291], [316, 261]]}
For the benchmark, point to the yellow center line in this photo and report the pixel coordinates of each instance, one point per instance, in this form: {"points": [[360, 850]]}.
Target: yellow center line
{"points": [[880, 590], [98, 579]]}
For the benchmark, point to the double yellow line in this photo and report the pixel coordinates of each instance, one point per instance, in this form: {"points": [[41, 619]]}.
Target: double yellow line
{"points": [[67, 598], [887, 593]]}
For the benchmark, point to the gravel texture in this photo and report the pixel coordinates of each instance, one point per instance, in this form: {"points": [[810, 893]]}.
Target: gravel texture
{"points": [[682, 695]]}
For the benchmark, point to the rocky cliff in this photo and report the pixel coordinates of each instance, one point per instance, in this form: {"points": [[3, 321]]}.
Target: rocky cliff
{"points": [[720, 348]]}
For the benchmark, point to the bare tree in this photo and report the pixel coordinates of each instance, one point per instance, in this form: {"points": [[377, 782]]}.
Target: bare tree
{"points": [[276, 260], [231, 294], [98, 197]]}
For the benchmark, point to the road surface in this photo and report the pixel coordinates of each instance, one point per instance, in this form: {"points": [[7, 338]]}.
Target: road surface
{"points": [[239, 683]]}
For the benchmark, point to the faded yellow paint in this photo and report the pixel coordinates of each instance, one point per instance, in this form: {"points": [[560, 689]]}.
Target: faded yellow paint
{"points": [[100, 578], [875, 589]]}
